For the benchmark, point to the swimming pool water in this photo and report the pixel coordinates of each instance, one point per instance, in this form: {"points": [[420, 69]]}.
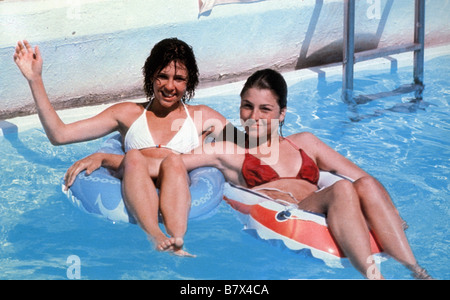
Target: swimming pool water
{"points": [[405, 145]]}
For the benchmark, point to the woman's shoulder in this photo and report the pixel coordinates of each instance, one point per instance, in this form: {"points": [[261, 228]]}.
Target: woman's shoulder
{"points": [[128, 108], [204, 109], [308, 142], [206, 117], [126, 112], [304, 137]]}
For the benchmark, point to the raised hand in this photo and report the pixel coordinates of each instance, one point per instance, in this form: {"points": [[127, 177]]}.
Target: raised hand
{"points": [[28, 61]]}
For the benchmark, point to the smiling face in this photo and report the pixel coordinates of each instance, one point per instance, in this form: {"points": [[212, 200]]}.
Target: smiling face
{"points": [[260, 113], [264, 101], [169, 84], [162, 56]]}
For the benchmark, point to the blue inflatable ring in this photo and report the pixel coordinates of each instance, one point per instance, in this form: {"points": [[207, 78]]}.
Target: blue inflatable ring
{"points": [[101, 193]]}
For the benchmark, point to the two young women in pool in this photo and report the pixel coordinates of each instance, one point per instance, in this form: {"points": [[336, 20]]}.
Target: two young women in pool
{"points": [[283, 168]]}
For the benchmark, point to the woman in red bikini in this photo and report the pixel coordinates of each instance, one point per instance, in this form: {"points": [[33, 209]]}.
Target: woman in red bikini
{"points": [[288, 168]]}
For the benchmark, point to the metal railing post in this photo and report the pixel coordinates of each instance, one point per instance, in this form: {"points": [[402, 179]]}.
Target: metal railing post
{"points": [[350, 57], [348, 51], [419, 39]]}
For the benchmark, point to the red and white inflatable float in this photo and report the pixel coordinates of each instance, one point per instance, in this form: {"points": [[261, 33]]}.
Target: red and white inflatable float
{"points": [[298, 229]]}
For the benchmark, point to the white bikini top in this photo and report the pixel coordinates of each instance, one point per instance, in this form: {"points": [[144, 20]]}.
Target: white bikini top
{"points": [[138, 135]]}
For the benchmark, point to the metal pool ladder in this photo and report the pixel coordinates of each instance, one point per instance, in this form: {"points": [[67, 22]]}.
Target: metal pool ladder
{"points": [[350, 57]]}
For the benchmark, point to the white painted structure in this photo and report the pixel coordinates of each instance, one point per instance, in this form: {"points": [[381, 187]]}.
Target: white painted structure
{"points": [[94, 49]]}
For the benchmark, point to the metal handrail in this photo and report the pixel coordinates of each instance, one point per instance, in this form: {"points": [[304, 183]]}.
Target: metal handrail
{"points": [[350, 58]]}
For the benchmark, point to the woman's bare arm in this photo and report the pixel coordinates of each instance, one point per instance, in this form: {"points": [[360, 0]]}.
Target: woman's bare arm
{"points": [[327, 158], [30, 64], [92, 163]]}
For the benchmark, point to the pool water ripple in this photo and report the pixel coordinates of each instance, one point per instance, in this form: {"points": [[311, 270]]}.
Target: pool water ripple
{"points": [[405, 145]]}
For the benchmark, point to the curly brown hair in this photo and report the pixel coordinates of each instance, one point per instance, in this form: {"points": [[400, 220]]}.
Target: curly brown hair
{"points": [[162, 54]]}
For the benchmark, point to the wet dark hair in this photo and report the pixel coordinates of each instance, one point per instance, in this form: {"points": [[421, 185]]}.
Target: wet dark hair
{"points": [[162, 54], [271, 80]]}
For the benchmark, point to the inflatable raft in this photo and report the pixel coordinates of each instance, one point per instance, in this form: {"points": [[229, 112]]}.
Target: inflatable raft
{"points": [[299, 230], [100, 193]]}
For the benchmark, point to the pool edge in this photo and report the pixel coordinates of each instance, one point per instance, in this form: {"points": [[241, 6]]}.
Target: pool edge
{"points": [[23, 123]]}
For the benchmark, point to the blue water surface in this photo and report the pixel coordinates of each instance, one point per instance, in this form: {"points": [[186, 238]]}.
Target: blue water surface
{"points": [[405, 144]]}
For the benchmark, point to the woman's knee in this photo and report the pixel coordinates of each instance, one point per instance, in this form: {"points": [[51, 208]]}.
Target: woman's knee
{"points": [[373, 195], [344, 193], [366, 184], [133, 159], [173, 163], [344, 189]]}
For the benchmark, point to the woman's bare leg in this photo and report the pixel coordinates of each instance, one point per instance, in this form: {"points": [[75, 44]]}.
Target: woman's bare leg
{"points": [[140, 195], [385, 222], [346, 222], [175, 200]]}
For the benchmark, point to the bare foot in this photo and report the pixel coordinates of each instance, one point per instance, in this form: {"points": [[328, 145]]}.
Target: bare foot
{"points": [[174, 245], [419, 272]]}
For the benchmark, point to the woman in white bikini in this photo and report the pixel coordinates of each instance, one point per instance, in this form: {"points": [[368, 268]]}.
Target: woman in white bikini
{"points": [[161, 126]]}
